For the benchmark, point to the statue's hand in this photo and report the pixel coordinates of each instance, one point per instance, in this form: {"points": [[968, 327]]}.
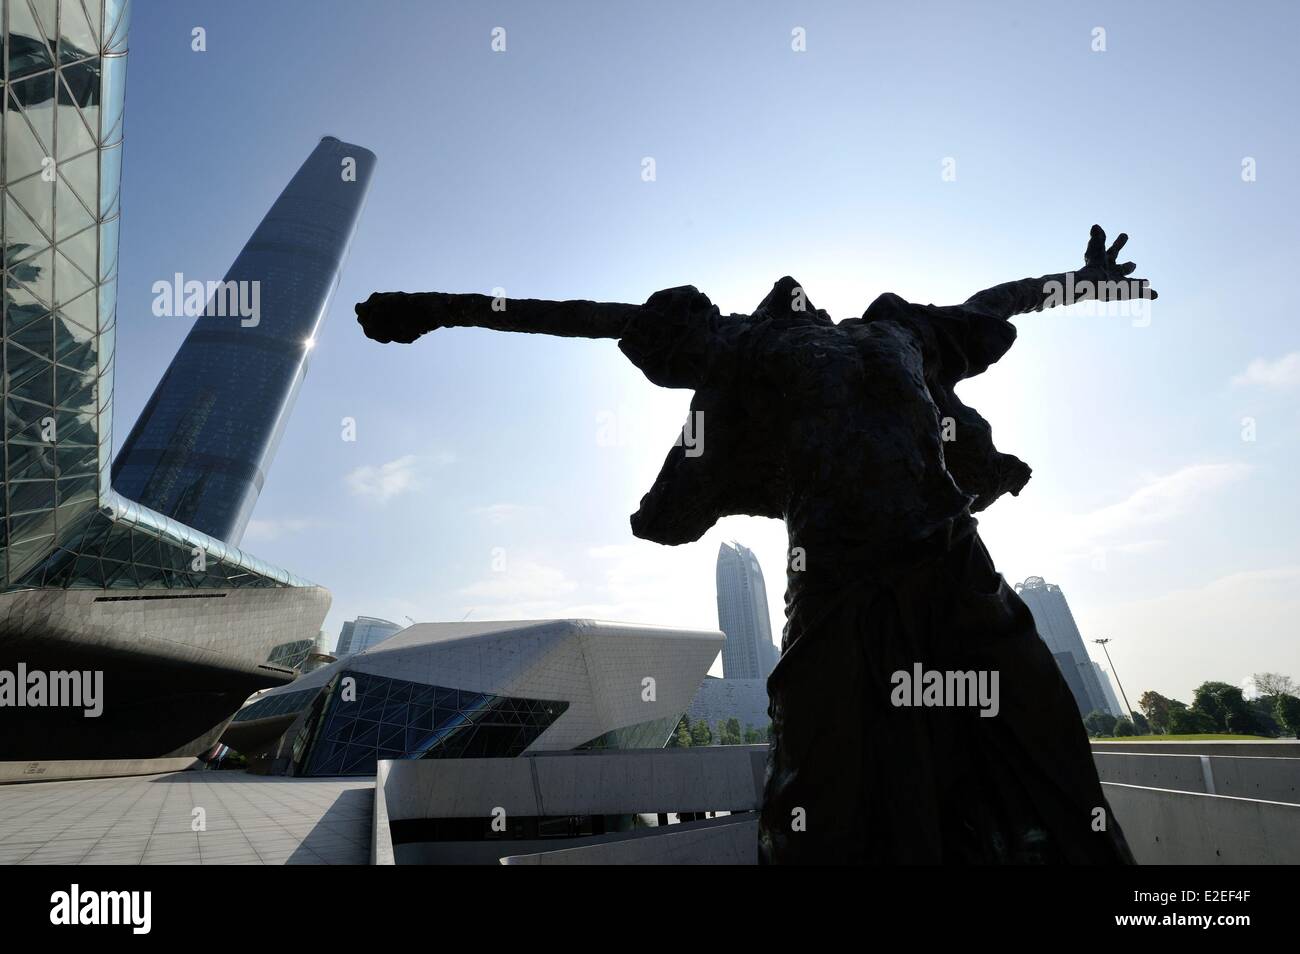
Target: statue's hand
{"points": [[1107, 279], [397, 316]]}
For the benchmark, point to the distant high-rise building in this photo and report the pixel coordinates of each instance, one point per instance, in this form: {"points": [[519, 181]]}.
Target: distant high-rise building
{"points": [[363, 632], [1103, 678], [1058, 630], [200, 450], [743, 615]]}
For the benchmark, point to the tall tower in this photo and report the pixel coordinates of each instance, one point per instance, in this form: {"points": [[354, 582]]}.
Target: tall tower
{"points": [[199, 451], [1058, 630], [743, 615]]}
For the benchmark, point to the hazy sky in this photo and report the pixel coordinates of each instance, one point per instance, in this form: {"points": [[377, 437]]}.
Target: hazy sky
{"points": [[1169, 532]]}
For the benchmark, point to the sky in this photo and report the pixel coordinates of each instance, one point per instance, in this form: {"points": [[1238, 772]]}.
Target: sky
{"points": [[929, 149]]}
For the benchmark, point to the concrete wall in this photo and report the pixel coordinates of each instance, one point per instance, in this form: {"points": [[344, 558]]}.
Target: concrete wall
{"points": [[715, 778], [1268, 748], [1186, 828], [721, 841], [1270, 779]]}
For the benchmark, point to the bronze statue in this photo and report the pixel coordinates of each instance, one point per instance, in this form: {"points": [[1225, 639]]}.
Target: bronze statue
{"points": [[852, 434]]}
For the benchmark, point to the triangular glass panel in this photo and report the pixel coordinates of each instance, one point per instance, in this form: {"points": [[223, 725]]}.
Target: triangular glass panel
{"points": [[28, 50], [33, 99], [76, 41], [30, 217]]}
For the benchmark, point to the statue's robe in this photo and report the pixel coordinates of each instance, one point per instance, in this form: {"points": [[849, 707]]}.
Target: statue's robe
{"points": [[839, 431]]}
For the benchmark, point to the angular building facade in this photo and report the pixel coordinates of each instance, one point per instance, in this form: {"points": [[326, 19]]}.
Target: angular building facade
{"points": [[743, 615], [1058, 630], [200, 449], [181, 624], [489, 689]]}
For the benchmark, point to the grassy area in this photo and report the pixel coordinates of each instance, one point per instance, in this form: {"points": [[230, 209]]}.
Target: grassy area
{"points": [[1200, 737]]}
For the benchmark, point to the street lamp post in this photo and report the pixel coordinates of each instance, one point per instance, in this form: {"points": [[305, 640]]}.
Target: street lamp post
{"points": [[1102, 643]]}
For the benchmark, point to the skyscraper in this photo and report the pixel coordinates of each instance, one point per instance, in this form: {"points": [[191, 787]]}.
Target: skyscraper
{"points": [[1103, 679], [743, 615], [362, 633], [181, 625], [1058, 630], [200, 449]]}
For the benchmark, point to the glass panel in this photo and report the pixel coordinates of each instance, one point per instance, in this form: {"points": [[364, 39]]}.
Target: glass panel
{"points": [[110, 180], [71, 217], [81, 310], [76, 462], [108, 247], [35, 96], [28, 51], [74, 136], [113, 86], [21, 234], [37, 337], [23, 150], [35, 197], [25, 495], [71, 281], [37, 277], [30, 376], [117, 18], [31, 462], [74, 346], [76, 42], [82, 173]]}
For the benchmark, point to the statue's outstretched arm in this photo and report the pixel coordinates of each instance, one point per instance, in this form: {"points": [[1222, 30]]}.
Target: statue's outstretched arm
{"points": [[399, 316], [1100, 278]]}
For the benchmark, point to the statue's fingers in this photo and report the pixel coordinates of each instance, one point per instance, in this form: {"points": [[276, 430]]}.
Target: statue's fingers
{"points": [[1128, 268], [1113, 252], [1095, 253]]}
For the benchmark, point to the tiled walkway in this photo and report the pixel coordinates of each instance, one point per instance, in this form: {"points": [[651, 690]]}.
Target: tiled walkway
{"points": [[148, 820]]}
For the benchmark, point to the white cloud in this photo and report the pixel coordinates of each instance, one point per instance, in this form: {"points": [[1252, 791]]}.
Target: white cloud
{"points": [[386, 481], [1158, 501], [1279, 375]]}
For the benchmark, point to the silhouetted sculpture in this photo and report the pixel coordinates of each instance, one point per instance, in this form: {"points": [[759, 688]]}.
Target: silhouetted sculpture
{"points": [[852, 434]]}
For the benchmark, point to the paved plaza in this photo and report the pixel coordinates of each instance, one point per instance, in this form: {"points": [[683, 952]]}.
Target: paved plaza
{"points": [[149, 819]]}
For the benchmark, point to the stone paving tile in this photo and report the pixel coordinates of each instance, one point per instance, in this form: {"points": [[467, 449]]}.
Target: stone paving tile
{"points": [[148, 820]]}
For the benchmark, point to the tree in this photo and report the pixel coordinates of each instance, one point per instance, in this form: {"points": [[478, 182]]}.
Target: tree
{"points": [[1099, 723], [753, 736], [1271, 685], [1224, 704], [1140, 723], [701, 734], [1287, 712], [1185, 721], [730, 732], [1156, 708], [1123, 727], [681, 739]]}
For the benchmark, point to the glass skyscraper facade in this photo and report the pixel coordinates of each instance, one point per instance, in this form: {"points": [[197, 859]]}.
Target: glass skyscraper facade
{"points": [[743, 615], [1058, 630], [200, 449]]}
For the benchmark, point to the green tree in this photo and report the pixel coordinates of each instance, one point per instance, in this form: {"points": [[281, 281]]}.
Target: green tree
{"points": [[1099, 723], [1185, 721], [1123, 727], [1271, 685], [681, 739], [1287, 712], [1156, 708], [753, 736], [1140, 723], [701, 734], [1224, 704]]}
